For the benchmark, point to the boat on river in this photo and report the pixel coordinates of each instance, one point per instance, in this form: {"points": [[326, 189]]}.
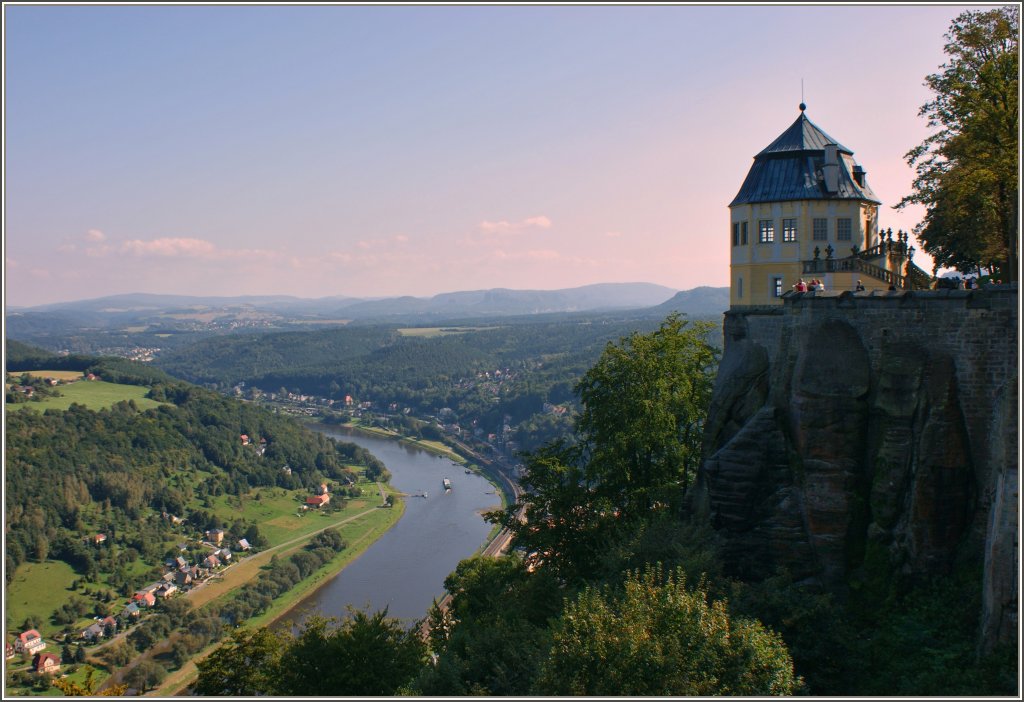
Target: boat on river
{"points": [[447, 485]]}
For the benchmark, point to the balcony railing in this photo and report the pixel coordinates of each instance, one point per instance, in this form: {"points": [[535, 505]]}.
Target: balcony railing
{"points": [[854, 264]]}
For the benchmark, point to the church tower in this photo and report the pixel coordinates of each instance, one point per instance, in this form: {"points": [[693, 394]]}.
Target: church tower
{"points": [[805, 210]]}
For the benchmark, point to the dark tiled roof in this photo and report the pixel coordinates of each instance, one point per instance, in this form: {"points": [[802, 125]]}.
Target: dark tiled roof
{"points": [[802, 135], [789, 169]]}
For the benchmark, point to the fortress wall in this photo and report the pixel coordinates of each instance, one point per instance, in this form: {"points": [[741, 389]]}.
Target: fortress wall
{"points": [[977, 328], [843, 423]]}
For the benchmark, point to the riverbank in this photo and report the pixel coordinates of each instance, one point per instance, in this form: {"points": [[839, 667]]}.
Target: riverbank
{"points": [[178, 682], [435, 448]]}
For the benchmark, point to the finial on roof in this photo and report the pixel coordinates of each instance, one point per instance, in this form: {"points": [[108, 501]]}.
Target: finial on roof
{"points": [[802, 107]]}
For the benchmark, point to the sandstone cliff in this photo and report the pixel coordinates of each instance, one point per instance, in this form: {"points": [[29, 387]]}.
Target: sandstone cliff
{"points": [[856, 434]]}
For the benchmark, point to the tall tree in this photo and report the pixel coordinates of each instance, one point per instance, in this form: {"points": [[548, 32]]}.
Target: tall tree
{"points": [[364, 655], [644, 405], [246, 665], [658, 637], [967, 171], [637, 448]]}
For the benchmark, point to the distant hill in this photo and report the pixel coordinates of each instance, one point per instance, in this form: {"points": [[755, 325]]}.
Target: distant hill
{"points": [[698, 302], [187, 313], [499, 302]]}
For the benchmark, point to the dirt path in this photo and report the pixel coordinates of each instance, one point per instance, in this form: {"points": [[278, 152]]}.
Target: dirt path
{"points": [[232, 577], [240, 573]]}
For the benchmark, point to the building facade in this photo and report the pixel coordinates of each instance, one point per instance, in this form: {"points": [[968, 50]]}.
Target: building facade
{"points": [[805, 210]]}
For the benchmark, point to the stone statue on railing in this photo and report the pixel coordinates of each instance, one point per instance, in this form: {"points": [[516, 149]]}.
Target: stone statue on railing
{"points": [[829, 251], [817, 253]]}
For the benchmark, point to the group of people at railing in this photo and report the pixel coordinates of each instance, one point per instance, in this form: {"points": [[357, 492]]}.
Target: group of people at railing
{"points": [[814, 286]]}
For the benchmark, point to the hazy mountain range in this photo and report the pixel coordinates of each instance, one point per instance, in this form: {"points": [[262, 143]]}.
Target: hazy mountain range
{"points": [[179, 312]]}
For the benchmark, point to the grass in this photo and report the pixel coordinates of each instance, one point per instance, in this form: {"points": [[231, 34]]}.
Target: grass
{"points": [[94, 394], [359, 534], [37, 590], [277, 511], [436, 448], [430, 332], [55, 374]]}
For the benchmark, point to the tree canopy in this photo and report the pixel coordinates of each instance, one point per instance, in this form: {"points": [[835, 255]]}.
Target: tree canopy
{"points": [[967, 171], [637, 447], [365, 655], [656, 636]]}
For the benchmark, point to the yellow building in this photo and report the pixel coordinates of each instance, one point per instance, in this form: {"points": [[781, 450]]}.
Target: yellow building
{"points": [[805, 211]]}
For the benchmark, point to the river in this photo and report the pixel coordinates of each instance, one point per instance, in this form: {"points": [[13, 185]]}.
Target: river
{"points": [[405, 569]]}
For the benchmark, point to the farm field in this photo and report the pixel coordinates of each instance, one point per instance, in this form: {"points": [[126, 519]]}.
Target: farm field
{"points": [[94, 394], [55, 374], [277, 510], [430, 332], [36, 590]]}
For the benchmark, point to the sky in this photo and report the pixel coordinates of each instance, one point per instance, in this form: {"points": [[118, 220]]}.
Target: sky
{"points": [[372, 151]]}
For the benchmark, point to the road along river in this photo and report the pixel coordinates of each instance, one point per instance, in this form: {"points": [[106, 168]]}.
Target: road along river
{"points": [[405, 569]]}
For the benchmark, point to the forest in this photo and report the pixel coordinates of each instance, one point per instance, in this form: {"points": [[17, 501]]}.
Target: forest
{"points": [[538, 361], [120, 472]]}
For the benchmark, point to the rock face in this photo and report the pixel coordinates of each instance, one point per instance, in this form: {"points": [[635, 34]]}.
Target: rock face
{"points": [[876, 428]]}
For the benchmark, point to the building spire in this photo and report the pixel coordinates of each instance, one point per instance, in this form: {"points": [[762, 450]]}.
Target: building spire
{"points": [[803, 106]]}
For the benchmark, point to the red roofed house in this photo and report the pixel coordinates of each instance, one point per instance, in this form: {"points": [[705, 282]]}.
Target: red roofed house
{"points": [[318, 500], [29, 642], [8, 650], [146, 599], [46, 663], [245, 439], [99, 538]]}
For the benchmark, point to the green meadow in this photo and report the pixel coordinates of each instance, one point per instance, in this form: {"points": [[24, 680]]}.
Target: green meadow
{"points": [[278, 511], [38, 589], [94, 394]]}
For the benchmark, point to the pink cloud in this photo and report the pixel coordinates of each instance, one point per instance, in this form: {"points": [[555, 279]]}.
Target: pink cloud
{"points": [[95, 235], [186, 247], [538, 222], [193, 248]]}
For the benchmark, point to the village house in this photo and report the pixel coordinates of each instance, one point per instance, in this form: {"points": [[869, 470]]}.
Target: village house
{"points": [[245, 439], [9, 651], [167, 590], [46, 663], [183, 577], [29, 642], [211, 562], [180, 562], [131, 611], [109, 625], [144, 598], [99, 539], [93, 632], [243, 545], [216, 536], [318, 500]]}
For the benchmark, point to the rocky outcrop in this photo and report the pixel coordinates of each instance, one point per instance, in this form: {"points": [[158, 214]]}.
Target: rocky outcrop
{"points": [[855, 429]]}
